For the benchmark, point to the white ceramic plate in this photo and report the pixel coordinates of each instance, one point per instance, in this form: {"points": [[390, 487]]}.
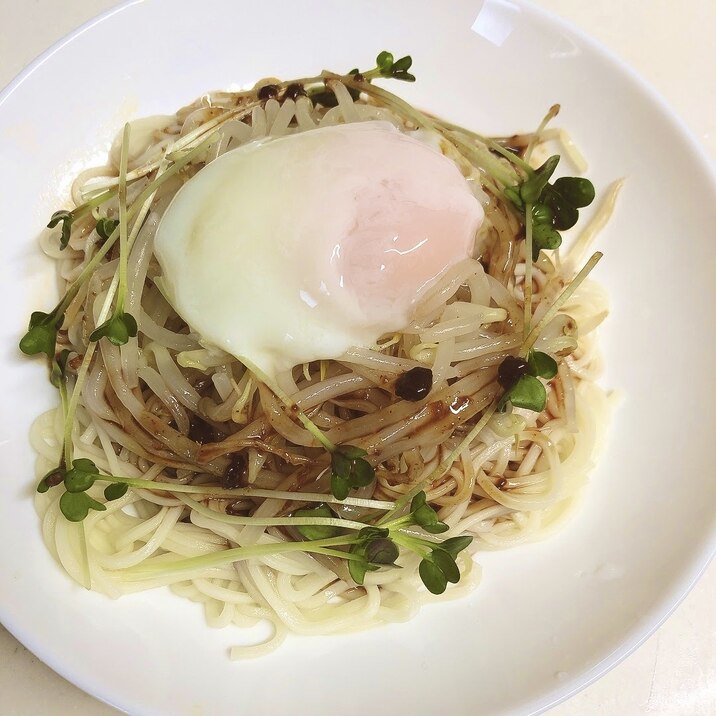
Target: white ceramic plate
{"points": [[548, 618]]}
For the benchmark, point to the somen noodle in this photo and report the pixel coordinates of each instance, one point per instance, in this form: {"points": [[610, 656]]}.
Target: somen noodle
{"points": [[218, 459]]}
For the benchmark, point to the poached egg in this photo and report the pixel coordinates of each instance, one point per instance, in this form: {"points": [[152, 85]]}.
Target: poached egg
{"points": [[289, 250]]}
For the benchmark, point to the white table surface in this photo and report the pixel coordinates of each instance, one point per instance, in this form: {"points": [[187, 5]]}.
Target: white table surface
{"points": [[671, 44]]}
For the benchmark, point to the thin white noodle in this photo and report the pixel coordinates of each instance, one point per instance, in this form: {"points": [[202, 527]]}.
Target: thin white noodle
{"points": [[513, 483]]}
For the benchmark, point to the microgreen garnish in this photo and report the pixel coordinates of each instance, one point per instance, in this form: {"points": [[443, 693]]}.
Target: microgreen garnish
{"points": [[120, 326], [455, 545], [118, 329], [51, 479], [520, 378], [381, 550], [528, 392], [75, 503], [69, 217], [425, 516], [445, 564], [531, 188], [115, 490], [81, 476], [379, 546], [75, 506], [372, 550], [555, 207], [386, 66], [105, 227], [312, 532], [58, 368], [41, 335], [66, 217], [437, 566], [349, 470], [577, 191], [541, 364]]}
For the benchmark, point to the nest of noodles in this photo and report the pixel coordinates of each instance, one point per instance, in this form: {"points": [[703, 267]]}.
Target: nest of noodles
{"points": [[167, 409]]}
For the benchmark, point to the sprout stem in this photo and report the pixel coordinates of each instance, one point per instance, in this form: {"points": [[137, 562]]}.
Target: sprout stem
{"points": [[559, 302], [122, 196], [272, 521], [528, 271], [213, 491], [158, 565]]}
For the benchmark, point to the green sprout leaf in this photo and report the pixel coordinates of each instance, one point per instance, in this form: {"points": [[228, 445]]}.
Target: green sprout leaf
{"points": [[59, 366], [384, 61], [105, 227], [349, 470], [340, 464], [579, 192], [565, 214], [436, 528], [425, 516], [115, 490], [381, 551], [555, 207], [403, 64], [372, 532], [418, 501], [528, 392], [455, 545], [362, 473], [544, 237], [404, 76], [316, 531], [352, 452], [531, 188], [75, 506], [373, 550], [439, 567], [118, 329], [51, 479], [433, 577], [41, 336], [358, 568], [82, 475], [66, 217], [541, 214], [445, 562], [387, 66], [541, 365], [339, 487]]}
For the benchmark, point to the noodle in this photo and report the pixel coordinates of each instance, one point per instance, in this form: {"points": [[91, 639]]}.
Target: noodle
{"points": [[165, 408]]}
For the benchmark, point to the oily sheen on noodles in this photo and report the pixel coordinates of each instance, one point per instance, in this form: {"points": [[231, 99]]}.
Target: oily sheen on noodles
{"points": [[284, 492]]}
